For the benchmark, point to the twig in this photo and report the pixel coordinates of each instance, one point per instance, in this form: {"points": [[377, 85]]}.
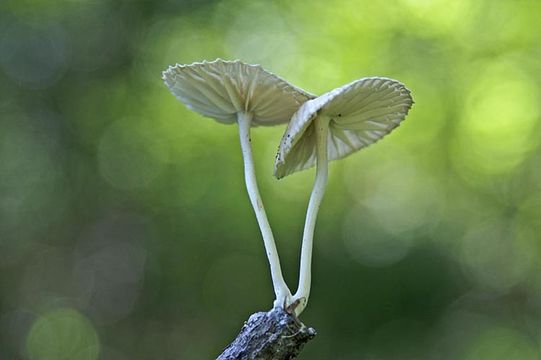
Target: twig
{"points": [[273, 335]]}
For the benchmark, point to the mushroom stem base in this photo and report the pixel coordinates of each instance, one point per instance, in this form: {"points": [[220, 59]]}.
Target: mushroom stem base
{"points": [[276, 335]]}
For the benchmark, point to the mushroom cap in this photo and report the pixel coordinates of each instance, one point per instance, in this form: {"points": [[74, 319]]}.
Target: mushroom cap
{"points": [[360, 113], [220, 89]]}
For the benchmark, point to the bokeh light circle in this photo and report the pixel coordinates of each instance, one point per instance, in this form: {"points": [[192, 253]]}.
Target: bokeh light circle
{"points": [[63, 334], [498, 254], [34, 57], [497, 129]]}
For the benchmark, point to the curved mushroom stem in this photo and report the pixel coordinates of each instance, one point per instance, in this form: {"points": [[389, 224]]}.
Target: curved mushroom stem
{"points": [[322, 168], [282, 292]]}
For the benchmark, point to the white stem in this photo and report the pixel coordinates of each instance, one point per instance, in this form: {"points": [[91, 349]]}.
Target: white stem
{"points": [[282, 292], [321, 124]]}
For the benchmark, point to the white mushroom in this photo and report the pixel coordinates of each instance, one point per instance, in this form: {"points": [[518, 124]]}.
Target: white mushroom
{"points": [[331, 127], [235, 92]]}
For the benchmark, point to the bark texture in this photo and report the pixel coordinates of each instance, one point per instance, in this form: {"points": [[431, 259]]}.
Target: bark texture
{"points": [[273, 335]]}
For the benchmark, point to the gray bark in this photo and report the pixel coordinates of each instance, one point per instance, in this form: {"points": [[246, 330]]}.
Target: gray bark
{"points": [[273, 335]]}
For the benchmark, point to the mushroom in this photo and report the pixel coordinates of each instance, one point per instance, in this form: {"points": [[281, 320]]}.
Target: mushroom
{"points": [[235, 92], [331, 127]]}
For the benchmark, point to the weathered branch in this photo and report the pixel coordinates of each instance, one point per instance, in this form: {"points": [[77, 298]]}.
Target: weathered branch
{"points": [[273, 335]]}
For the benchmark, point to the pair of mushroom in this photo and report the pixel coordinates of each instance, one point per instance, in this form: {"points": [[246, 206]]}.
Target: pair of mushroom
{"points": [[320, 129]]}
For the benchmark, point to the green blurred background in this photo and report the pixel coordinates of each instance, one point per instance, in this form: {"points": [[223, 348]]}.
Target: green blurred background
{"points": [[125, 229]]}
